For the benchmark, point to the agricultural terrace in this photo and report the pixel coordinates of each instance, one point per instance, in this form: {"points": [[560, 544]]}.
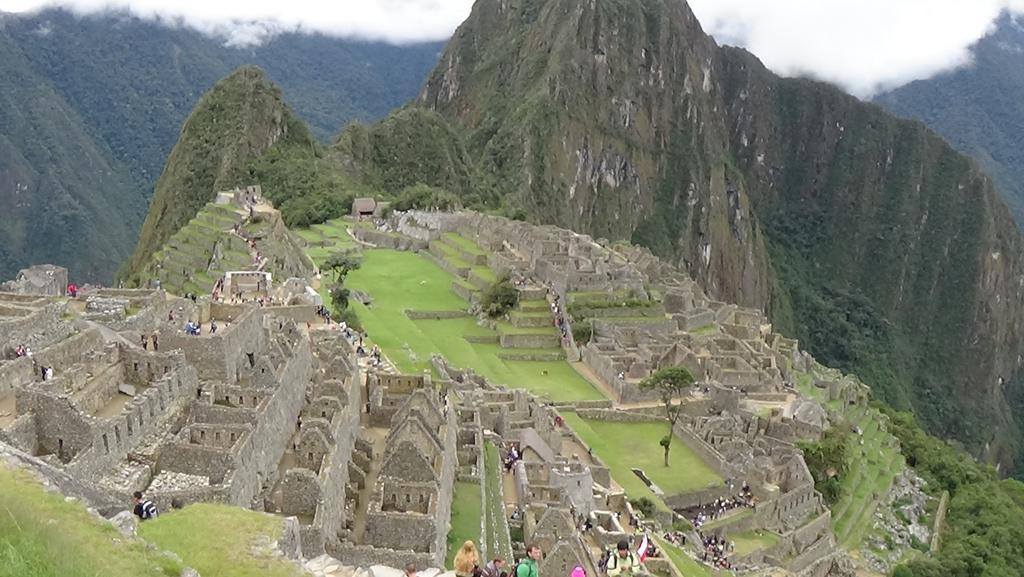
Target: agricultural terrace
{"points": [[399, 281], [873, 461]]}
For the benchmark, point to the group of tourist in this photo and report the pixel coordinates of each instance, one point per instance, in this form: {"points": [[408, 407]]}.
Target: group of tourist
{"points": [[716, 551], [22, 351], [512, 455], [467, 564], [195, 329], [721, 505], [324, 314], [559, 317]]}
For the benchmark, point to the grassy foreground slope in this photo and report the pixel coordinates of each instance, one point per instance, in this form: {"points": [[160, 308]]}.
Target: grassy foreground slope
{"points": [[42, 535], [221, 540]]}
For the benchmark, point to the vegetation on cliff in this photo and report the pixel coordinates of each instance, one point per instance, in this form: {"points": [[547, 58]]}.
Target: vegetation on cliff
{"points": [[86, 126], [241, 118]]}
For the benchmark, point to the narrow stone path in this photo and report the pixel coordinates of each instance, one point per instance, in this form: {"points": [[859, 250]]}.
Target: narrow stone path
{"points": [[376, 436]]}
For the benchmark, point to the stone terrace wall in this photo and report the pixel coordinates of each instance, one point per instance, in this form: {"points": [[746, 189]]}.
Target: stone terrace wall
{"points": [[37, 330]]}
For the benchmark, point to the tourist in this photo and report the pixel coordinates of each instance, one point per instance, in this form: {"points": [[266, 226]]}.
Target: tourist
{"points": [[623, 562], [467, 560], [145, 342], [410, 570], [495, 568], [144, 508], [527, 567], [156, 343], [213, 327]]}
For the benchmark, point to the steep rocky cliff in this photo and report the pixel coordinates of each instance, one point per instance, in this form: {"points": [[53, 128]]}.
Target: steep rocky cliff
{"points": [[869, 238]]}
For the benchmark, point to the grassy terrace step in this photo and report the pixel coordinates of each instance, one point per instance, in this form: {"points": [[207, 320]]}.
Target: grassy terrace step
{"points": [[482, 276], [534, 306], [449, 255], [506, 328], [581, 297], [464, 243]]}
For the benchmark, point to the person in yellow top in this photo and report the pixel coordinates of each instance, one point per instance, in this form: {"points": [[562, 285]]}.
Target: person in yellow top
{"points": [[624, 562], [467, 560]]}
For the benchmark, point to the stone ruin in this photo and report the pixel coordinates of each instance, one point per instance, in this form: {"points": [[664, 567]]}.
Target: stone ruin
{"points": [[267, 415], [42, 280]]}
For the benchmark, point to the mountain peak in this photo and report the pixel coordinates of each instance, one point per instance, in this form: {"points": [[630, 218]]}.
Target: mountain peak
{"points": [[233, 124]]}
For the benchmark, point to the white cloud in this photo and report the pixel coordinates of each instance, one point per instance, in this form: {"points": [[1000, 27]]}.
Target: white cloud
{"points": [[250, 21], [862, 45]]}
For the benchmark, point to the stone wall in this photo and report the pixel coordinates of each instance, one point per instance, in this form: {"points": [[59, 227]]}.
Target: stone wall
{"points": [[36, 330], [222, 356]]}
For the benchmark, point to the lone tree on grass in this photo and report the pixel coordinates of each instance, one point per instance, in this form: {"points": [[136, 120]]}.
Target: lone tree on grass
{"points": [[341, 263], [669, 383]]}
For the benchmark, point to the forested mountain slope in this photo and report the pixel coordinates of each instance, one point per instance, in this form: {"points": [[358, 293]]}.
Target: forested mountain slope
{"points": [[128, 85], [978, 108]]}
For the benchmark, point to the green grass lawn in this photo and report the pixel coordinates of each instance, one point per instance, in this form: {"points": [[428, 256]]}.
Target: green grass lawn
{"points": [[465, 518], [218, 540], [754, 540], [498, 538], [624, 446], [42, 535], [402, 280]]}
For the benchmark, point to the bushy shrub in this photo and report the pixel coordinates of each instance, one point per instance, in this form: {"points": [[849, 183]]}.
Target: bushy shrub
{"points": [[582, 333], [423, 197], [499, 298], [644, 505]]}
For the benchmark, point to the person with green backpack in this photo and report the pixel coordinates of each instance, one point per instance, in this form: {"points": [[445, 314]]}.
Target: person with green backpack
{"points": [[527, 567]]}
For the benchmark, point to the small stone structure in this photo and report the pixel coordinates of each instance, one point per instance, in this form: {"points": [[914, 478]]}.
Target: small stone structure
{"points": [[43, 280]]}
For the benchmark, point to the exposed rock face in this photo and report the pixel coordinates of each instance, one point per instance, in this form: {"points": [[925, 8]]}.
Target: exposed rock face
{"points": [[867, 237], [606, 118], [126, 523]]}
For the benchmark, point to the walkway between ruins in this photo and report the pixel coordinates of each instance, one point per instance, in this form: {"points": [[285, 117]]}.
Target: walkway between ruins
{"points": [[377, 436]]}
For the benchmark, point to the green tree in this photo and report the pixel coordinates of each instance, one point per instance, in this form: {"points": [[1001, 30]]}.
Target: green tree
{"points": [[339, 297], [341, 263], [669, 383], [500, 297]]}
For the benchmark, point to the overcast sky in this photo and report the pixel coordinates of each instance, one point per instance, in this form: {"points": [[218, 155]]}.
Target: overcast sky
{"points": [[863, 45]]}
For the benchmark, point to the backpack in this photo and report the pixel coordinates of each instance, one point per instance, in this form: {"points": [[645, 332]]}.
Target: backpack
{"points": [[148, 510], [520, 563], [602, 564]]}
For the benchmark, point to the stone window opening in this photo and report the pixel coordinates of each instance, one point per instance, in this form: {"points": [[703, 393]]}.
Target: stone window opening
{"points": [[216, 436], [117, 435], [129, 422], [106, 445], [136, 366], [202, 434], [232, 438]]}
